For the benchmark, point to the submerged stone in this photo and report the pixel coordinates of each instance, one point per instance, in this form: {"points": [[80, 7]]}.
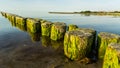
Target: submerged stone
{"points": [[77, 44], [46, 28], [112, 56], [72, 27], [58, 30], [104, 39], [33, 25]]}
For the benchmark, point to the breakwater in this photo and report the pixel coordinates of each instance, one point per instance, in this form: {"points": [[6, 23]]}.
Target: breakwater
{"points": [[76, 39]]}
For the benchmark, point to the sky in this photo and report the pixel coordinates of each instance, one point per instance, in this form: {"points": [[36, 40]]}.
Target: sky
{"points": [[58, 5]]}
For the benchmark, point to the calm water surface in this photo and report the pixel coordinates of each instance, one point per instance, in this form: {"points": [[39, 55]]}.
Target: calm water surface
{"points": [[21, 49]]}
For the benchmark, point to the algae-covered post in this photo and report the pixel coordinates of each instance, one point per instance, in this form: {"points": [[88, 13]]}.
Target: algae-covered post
{"points": [[77, 44], [7, 15], [112, 56], [33, 25], [46, 28], [2, 13], [13, 19], [43, 21], [58, 30], [72, 27], [104, 39], [20, 20]]}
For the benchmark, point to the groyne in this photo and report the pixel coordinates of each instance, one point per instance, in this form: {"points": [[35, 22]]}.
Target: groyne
{"points": [[78, 42]]}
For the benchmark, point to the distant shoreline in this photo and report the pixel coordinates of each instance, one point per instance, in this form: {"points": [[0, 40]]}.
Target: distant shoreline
{"points": [[61, 12], [100, 13]]}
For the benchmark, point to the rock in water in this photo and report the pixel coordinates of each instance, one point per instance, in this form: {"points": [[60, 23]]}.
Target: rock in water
{"points": [[72, 27], [46, 28], [104, 39], [33, 26], [58, 30], [77, 43], [112, 56]]}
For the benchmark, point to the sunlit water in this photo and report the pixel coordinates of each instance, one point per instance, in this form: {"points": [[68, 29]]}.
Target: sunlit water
{"points": [[21, 49]]}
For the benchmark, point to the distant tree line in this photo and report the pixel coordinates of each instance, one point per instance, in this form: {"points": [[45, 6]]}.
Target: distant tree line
{"points": [[98, 12]]}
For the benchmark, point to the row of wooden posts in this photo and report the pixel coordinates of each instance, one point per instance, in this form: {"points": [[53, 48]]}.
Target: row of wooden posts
{"points": [[78, 42]]}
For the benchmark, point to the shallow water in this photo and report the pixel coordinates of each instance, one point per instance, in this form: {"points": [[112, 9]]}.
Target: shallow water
{"points": [[21, 49]]}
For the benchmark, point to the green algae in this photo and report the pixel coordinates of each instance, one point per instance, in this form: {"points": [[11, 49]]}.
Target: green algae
{"points": [[43, 21], [72, 27], [33, 26], [46, 28], [20, 20], [77, 44], [104, 39], [57, 31], [112, 56]]}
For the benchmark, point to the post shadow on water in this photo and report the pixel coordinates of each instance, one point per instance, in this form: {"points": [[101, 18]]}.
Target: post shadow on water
{"points": [[50, 55]]}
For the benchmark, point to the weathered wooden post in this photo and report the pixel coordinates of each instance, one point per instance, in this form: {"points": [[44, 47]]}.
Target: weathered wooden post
{"points": [[33, 25], [2, 13], [72, 27], [13, 19], [77, 43], [46, 28], [7, 15], [20, 20], [57, 31], [112, 56], [104, 39], [43, 21]]}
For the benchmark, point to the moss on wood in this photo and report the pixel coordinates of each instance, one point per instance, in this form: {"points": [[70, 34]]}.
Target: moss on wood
{"points": [[104, 39], [77, 44], [58, 30], [112, 56], [72, 27], [46, 28], [20, 20], [33, 26]]}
